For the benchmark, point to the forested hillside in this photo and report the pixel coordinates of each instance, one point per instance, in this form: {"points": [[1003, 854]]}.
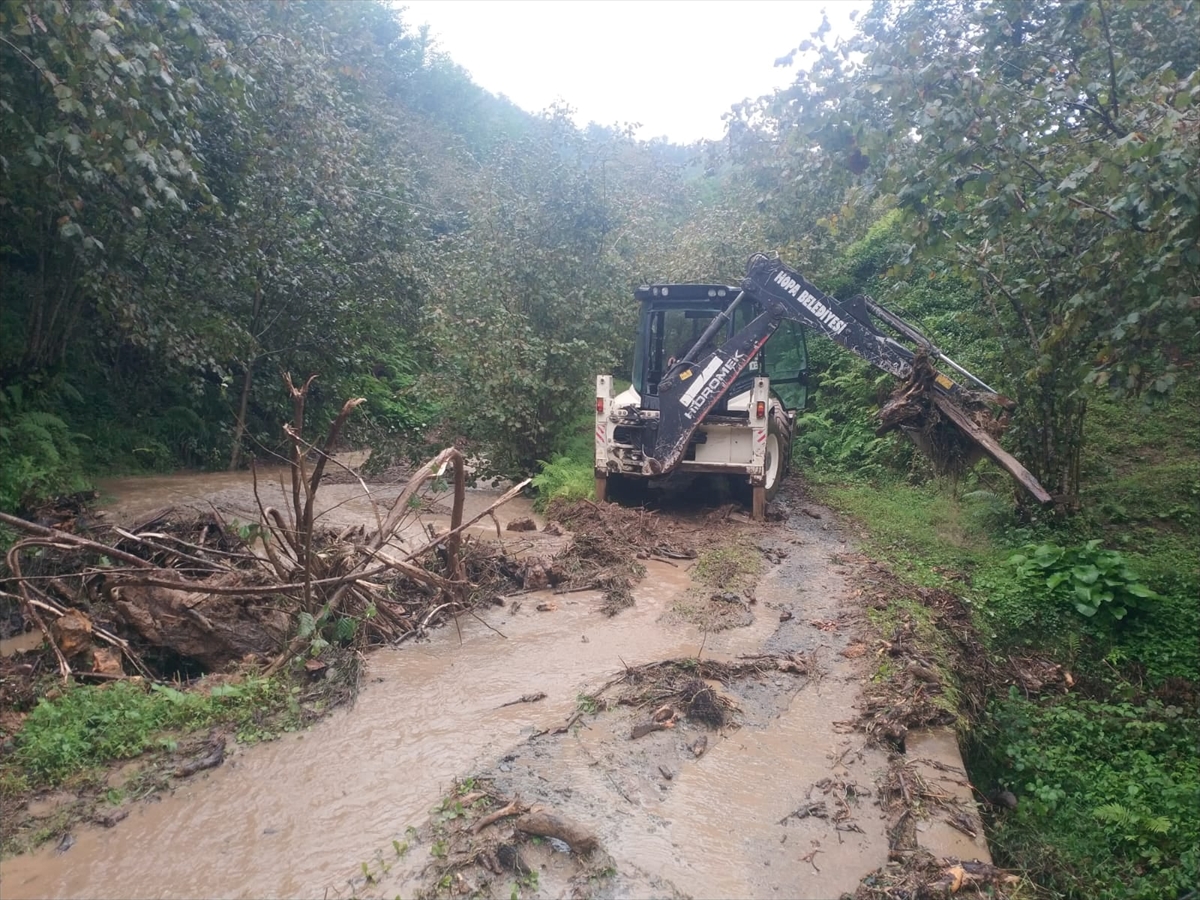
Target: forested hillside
{"points": [[199, 196], [196, 197]]}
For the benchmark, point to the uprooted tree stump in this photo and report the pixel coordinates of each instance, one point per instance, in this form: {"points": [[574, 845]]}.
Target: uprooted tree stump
{"points": [[235, 628], [954, 428]]}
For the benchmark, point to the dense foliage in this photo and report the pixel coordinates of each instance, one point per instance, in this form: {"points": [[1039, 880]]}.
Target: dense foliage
{"points": [[1047, 152], [198, 196]]}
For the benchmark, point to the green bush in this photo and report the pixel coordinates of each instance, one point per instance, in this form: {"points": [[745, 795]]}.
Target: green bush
{"points": [[1090, 578], [570, 473], [564, 478], [1117, 783], [39, 456], [394, 403]]}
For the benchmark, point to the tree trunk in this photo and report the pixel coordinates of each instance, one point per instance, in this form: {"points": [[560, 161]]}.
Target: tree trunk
{"points": [[239, 427], [1052, 439]]}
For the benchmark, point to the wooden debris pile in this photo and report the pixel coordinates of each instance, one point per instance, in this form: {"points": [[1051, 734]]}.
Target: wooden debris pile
{"points": [[922, 876], [690, 687], [606, 545], [481, 842], [191, 590]]}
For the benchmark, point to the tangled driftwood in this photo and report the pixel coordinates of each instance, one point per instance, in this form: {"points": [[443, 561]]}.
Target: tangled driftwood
{"points": [[218, 595]]}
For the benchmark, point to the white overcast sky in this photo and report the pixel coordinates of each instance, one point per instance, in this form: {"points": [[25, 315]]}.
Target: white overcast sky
{"points": [[675, 67]]}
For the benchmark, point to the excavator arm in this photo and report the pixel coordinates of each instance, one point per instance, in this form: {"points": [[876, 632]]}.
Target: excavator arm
{"points": [[695, 384]]}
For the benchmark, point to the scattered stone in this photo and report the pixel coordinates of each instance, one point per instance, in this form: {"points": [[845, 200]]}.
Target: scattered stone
{"points": [[785, 616], [73, 633], [1007, 799], [535, 577], [922, 673], [664, 714], [108, 820], [213, 758], [773, 555], [699, 746], [521, 525], [107, 661], [536, 574]]}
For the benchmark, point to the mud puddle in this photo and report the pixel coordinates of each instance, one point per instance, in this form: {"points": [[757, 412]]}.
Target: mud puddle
{"points": [[301, 815], [19, 643], [340, 504]]}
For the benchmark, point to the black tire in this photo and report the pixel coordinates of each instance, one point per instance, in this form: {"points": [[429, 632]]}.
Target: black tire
{"points": [[626, 490], [779, 451]]}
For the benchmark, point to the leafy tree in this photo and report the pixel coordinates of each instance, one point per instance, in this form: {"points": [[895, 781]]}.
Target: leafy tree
{"points": [[99, 118], [527, 303], [1048, 150]]}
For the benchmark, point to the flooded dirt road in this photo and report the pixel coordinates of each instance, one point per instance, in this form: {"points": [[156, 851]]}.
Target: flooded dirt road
{"points": [[299, 817]]}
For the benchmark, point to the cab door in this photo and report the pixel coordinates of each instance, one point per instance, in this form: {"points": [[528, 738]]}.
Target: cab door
{"points": [[785, 357]]}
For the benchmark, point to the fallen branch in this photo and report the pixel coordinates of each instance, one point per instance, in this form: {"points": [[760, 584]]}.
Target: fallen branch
{"points": [[75, 540], [13, 558], [514, 808], [504, 498], [414, 572], [524, 698]]}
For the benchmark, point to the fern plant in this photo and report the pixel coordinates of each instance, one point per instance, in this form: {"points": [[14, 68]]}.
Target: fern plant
{"points": [[38, 453], [565, 478], [1141, 832]]}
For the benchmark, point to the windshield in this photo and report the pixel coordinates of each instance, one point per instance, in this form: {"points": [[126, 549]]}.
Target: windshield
{"points": [[668, 335], [670, 329]]}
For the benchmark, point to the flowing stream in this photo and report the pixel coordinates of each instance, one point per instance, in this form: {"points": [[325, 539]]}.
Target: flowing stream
{"points": [[297, 816]]}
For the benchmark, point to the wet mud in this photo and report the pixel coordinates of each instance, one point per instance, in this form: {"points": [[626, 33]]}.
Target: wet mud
{"points": [[778, 802]]}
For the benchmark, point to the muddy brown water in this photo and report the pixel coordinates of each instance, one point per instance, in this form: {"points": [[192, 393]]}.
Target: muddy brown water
{"points": [[296, 817], [19, 643]]}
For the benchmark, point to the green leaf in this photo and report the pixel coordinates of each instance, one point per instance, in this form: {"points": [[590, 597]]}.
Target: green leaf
{"points": [[306, 625]]}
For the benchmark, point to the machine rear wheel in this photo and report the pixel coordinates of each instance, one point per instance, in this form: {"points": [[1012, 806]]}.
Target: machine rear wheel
{"points": [[779, 448], [620, 489]]}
